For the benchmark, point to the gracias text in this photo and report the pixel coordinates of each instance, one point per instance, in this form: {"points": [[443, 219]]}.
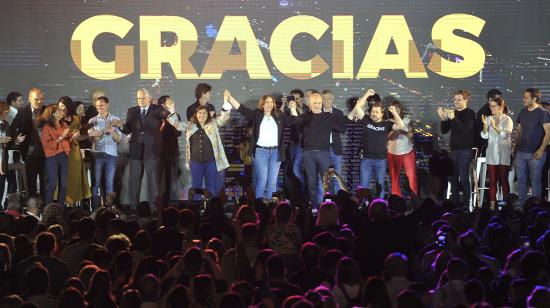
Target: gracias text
{"points": [[250, 58]]}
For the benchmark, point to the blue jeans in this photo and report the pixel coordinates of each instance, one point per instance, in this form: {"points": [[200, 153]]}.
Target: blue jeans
{"points": [[336, 162], [266, 167], [461, 177], [204, 171], [528, 169], [296, 152], [57, 169], [103, 164], [316, 164], [379, 167]]}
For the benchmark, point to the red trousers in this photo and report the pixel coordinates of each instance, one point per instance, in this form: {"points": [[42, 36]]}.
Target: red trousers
{"points": [[498, 173], [396, 163]]}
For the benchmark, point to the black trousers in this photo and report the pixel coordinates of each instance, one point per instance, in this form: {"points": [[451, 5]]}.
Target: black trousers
{"points": [[170, 172], [136, 174], [35, 169], [316, 163]]}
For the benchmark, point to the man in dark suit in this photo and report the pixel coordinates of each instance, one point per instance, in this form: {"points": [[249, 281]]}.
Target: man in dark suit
{"points": [[335, 140], [169, 164], [31, 148], [144, 122]]}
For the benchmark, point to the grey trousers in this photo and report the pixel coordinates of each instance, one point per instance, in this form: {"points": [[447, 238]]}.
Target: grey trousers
{"points": [[134, 184]]}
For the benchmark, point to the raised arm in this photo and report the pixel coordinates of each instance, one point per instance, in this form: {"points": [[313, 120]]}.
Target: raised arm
{"points": [[398, 125], [173, 118], [358, 112], [223, 117], [246, 112]]}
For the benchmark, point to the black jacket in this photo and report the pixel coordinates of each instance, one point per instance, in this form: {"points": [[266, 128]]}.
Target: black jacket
{"points": [[146, 140], [336, 138], [24, 124], [256, 116], [5, 147]]}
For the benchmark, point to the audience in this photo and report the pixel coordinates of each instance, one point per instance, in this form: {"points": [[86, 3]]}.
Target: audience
{"points": [[387, 254]]}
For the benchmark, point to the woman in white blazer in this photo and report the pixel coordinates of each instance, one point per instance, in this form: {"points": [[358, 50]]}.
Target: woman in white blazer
{"points": [[497, 128]]}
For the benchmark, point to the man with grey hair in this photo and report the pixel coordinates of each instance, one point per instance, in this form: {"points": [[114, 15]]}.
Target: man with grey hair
{"points": [[144, 122]]}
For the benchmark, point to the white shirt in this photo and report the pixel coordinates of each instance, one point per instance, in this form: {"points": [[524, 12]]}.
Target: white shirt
{"points": [[106, 143], [499, 146], [402, 144], [11, 115], [144, 108], [269, 134]]}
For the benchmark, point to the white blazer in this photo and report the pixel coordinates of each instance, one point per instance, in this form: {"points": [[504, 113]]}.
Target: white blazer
{"points": [[499, 146]]}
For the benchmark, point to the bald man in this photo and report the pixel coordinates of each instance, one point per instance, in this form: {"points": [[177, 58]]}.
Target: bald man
{"points": [[317, 127], [31, 148]]}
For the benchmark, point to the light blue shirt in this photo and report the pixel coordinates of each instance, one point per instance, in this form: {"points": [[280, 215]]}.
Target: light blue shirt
{"points": [[105, 143]]}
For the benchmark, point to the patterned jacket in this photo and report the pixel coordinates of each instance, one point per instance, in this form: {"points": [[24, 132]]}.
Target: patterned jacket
{"points": [[211, 129]]}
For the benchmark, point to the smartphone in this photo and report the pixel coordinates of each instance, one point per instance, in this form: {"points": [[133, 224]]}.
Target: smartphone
{"points": [[525, 243], [196, 243], [314, 211], [363, 205], [440, 241]]}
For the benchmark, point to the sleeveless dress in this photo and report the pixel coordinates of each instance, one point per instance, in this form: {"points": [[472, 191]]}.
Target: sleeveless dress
{"points": [[78, 187]]}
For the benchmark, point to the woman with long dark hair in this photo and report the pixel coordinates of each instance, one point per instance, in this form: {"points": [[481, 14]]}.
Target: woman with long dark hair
{"points": [[266, 142], [56, 143], [347, 283], [401, 153], [497, 128], [99, 291], [205, 155], [78, 187]]}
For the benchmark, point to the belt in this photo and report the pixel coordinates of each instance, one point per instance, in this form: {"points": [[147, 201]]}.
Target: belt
{"points": [[268, 148]]}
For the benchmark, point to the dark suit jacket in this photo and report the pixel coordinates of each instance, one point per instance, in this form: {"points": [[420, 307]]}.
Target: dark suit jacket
{"points": [[256, 116], [5, 147], [336, 139], [170, 137], [24, 124], [146, 139]]}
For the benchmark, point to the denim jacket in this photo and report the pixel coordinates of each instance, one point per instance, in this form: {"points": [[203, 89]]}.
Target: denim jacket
{"points": [[211, 129]]}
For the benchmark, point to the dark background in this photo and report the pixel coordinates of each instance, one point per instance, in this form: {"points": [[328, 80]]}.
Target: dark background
{"points": [[35, 37]]}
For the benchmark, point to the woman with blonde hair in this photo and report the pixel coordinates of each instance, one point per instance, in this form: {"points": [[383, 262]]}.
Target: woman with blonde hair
{"points": [[327, 219], [266, 142]]}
